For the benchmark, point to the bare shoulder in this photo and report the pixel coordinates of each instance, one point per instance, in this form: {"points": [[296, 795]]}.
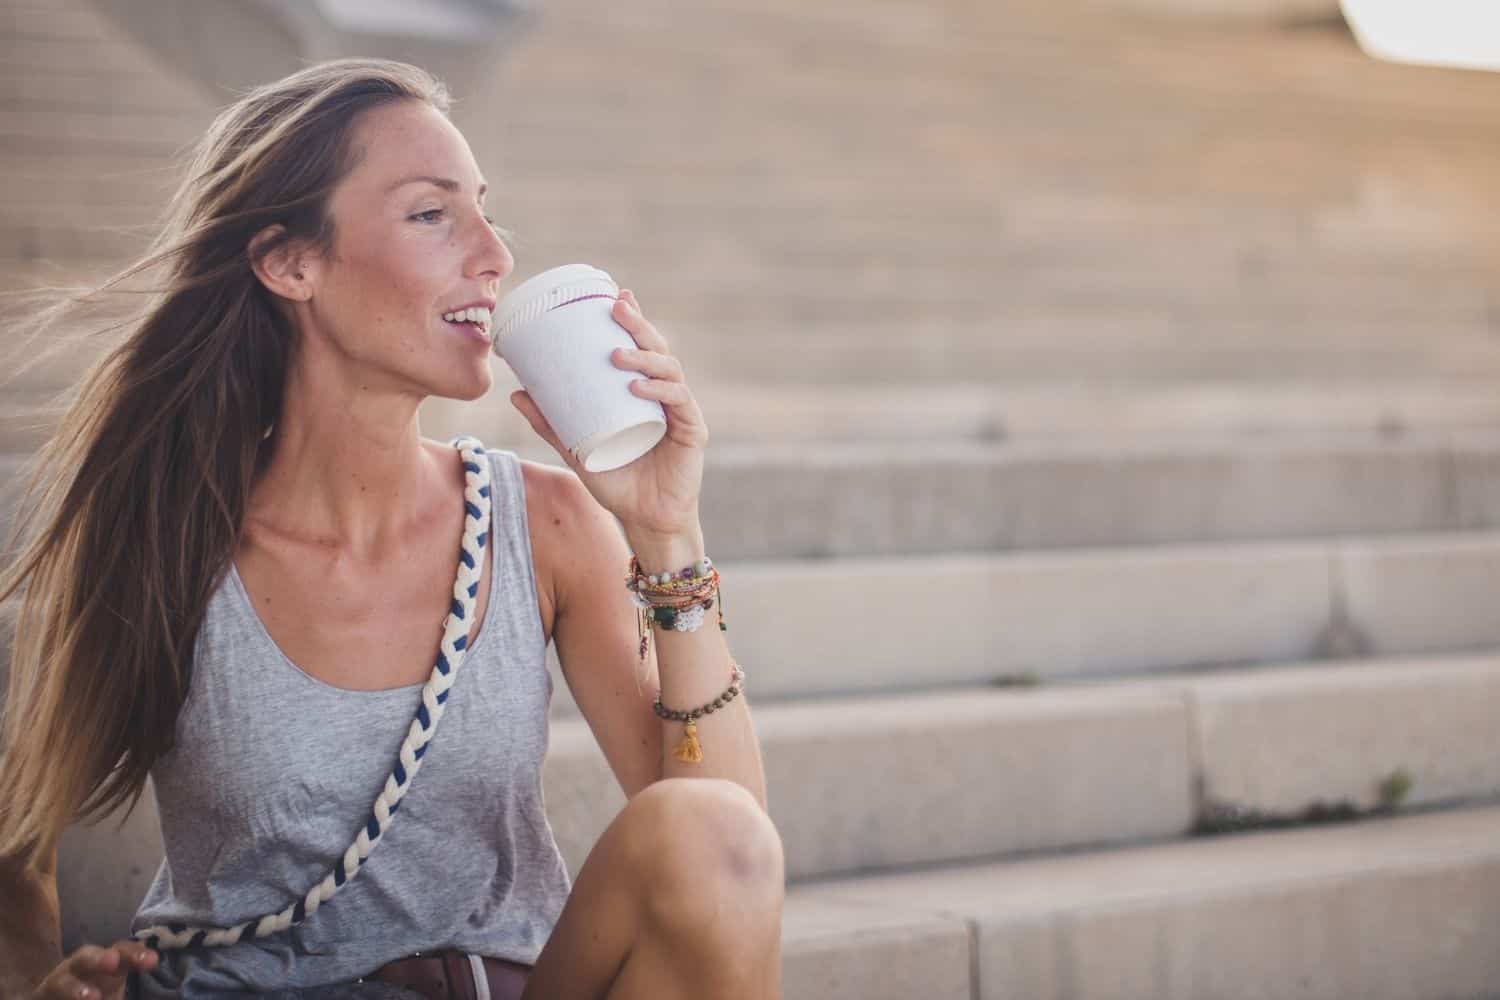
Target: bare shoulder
{"points": [[570, 531], [561, 514], [555, 500]]}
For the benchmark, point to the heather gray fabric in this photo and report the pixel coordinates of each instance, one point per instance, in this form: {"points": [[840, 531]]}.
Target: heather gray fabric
{"points": [[274, 772]]}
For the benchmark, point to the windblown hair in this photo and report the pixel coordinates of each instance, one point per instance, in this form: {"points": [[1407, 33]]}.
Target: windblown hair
{"points": [[133, 508]]}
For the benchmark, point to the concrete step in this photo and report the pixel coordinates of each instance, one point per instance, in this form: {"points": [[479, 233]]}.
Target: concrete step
{"points": [[744, 413], [840, 89], [129, 193], [852, 786], [1313, 69], [859, 302], [756, 413], [971, 251], [1020, 408], [809, 501], [822, 501], [1040, 618], [955, 268], [82, 88], [1391, 908], [1044, 618], [29, 239], [112, 52], [832, 950], [1395, 909], [870, 783], [862, 320], [934, 348], [162, 135], [54, 21]]}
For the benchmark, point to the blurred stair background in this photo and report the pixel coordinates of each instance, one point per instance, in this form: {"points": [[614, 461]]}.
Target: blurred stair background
{"points": [[1131, 385]]}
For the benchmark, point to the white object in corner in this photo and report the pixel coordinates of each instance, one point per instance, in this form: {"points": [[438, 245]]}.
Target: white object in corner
{"points": [[1460, 33]]}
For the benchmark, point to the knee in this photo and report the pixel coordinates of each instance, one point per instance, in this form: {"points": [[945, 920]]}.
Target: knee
{"points": [[698, 841]]}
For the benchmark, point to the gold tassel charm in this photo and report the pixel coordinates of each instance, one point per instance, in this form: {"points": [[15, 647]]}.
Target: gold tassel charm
{"points": [[688, 751]]}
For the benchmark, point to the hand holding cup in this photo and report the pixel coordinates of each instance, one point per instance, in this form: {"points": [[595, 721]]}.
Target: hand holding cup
{"points": [[578, 345]]}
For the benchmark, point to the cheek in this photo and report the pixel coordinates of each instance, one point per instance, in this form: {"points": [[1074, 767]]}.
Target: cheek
{"points": [[394, 288]]}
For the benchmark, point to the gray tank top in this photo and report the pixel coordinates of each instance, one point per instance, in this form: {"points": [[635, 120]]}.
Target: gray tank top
{"points": [[274, 771]]}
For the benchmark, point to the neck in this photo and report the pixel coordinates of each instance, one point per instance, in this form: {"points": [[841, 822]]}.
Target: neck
{"points": [[349, 468]]}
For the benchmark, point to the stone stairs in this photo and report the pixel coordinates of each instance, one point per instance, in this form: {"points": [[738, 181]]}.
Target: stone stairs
{"points": [[1392, 909], [1105, 441]]}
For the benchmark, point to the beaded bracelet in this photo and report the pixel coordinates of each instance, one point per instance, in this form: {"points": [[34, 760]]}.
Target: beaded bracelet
{"points": [[689, 750], [674, 601], [697, 571]]}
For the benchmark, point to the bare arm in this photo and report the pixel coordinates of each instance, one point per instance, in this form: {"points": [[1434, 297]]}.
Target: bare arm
{"points": [[694, 668], [30, 926], [597, 646]]}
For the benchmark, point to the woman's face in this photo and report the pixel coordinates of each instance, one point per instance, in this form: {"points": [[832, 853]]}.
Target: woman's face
{"points": [[411, 243]]}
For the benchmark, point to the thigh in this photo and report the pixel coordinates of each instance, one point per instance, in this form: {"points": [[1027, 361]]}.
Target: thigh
{"points": [[599, 922], [673, 833]]}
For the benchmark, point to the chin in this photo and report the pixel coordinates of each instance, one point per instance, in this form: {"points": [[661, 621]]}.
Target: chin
{"points": [[474, 385]]}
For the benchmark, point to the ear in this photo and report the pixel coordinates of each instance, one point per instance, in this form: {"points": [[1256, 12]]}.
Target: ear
{"points": [[285, 269]]}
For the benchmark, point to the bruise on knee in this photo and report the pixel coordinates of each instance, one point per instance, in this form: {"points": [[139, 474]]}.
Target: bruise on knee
{"points": [[704, 845]]}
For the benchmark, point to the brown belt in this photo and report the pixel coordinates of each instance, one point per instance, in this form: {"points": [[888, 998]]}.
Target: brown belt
{"points": [[448, 975]]}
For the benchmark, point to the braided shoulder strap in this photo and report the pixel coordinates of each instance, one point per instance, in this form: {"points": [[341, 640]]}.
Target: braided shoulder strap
{"points": [[413, 748]]}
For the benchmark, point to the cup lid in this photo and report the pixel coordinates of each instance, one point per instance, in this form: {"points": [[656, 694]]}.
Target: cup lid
{"points": [[546, 290]]}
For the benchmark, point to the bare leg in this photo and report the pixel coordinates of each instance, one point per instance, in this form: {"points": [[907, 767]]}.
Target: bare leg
{"points": [[681, 897]]}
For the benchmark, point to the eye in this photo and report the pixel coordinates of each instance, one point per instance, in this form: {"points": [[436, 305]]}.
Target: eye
{"points": [[430, 211]]}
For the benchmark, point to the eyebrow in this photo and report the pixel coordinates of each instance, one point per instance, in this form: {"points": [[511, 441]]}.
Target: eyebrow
{"points": [[442, 182]]}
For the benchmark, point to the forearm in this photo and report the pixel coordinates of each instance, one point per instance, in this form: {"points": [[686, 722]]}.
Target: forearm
{"points": [[30, 944], [694, 669]]}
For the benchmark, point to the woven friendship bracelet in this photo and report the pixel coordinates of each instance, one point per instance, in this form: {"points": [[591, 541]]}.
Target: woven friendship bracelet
{"points": [[477, 489], [673, 601]]}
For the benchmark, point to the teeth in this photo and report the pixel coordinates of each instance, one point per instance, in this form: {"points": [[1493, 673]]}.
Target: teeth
{"points": [[478, 315]]}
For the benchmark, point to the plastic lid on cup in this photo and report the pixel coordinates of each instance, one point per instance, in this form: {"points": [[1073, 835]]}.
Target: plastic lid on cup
{"points": [[546, 291]]}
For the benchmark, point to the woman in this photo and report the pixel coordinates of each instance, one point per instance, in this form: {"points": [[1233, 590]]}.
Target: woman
{"points": [[239, 551]]}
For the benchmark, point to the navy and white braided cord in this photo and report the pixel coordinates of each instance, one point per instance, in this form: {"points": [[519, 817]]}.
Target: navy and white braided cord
{"points": [[477, 496]]}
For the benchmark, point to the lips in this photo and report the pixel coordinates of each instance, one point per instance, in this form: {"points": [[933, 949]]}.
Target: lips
{"points": [[471, 331]]}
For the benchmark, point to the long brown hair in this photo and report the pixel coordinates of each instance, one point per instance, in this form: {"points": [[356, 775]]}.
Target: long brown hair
{"points": [[134, 507]]}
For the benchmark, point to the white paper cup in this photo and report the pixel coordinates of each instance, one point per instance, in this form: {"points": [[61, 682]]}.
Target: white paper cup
{"points": [[556, 332]]}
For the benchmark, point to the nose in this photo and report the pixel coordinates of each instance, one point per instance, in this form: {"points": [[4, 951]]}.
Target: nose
{"points": [[491, 258]]}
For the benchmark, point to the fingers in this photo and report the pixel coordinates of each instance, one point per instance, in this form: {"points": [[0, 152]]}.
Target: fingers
{"points": [[665, 379], [627, 312], [671, 393], [662, 366], [106, 963], [666, 382], [652, 357], [65, 986], [84, 975], [134, 955], [95, 973]]}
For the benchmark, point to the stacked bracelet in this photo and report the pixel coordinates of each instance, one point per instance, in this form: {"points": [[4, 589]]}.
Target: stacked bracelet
{"points": [[674, 601], [689, 750], [677, 601]]}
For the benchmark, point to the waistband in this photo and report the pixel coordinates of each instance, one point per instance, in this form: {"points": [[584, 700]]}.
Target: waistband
{"points": [[455, 975]]}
